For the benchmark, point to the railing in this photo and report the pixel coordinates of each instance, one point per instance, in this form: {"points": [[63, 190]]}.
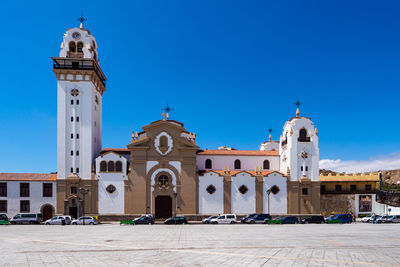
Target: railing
{"points": [[303, 139]]}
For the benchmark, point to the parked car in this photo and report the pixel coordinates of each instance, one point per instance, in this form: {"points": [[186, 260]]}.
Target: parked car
{"points": [[368, 219], [31, 218], [284, 220], [313, 219], [176, 220], [84, 220], [258, 218], [224, 219], [340, 218], [59, 220], [4, 219], [207, 220], [383, 219], [145, 219], [396, 219], [243, 220]]}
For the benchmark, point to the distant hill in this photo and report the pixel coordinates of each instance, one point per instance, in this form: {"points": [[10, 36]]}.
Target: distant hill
{"points": [[390, 177]]}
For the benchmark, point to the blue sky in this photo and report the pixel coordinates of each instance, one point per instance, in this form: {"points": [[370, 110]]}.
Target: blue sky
{"points": [[230, 69]]}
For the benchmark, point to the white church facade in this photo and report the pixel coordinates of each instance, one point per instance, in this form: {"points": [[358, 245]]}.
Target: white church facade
{"points": [[162, 171]]}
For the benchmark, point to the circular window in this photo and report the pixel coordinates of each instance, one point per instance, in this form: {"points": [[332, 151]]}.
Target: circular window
{"points": [[243, 189], [111, 189], [275, 189], [74, 92], [211, 189], [163, 180]]}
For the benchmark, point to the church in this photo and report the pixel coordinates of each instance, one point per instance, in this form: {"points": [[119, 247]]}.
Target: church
{"points": [[162, 171]]}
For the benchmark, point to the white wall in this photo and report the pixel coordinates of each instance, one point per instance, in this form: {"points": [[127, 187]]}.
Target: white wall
{"points": [[247, 162], [278, 202], [211, 203], [111, 203], [243, 203], [377, 208], [35, 197]]}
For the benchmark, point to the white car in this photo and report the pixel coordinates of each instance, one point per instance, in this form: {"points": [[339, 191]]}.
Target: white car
{"points": [[368, 219], [224, 219], [84, 220], [396, 219], [58, 220]]}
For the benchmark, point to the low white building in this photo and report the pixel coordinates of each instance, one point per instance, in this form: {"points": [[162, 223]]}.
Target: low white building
{"points": [[28, 193]]}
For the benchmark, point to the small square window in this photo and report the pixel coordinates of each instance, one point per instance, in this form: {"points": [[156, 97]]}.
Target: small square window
{"points": [[74, 190], [338, 188], [353, 187], [368, 187], [304, 191], [24, 206]]}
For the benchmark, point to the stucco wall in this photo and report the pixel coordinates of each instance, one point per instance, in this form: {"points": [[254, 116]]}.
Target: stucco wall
{"points": [[211, 203], [243, 203], [278, 202]]}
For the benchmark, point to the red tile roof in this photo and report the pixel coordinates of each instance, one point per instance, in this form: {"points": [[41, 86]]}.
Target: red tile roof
{"points": [[239, 152], [28, 176]]}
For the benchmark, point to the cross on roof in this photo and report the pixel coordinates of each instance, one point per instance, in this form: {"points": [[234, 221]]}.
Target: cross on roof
{"points": [[166, 112], [81, 19], [298, 103]]}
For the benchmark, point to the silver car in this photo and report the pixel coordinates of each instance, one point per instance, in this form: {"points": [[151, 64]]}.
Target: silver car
{"points": [[84, 220], [58, 220], [31, 218]]}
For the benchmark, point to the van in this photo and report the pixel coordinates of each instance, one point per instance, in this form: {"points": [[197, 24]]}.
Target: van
{"points": [[224, 219], [31, 218]]}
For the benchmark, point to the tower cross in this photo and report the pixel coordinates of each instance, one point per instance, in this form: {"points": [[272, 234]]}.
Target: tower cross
{"points": [[298, 104], [166, 112], [81, 19]]}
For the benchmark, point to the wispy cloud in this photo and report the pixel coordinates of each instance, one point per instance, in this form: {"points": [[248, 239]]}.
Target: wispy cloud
{"points": [[385, 162]]}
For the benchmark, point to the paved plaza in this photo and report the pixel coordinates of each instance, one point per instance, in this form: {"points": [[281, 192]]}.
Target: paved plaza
{"points": [[200, 245]]}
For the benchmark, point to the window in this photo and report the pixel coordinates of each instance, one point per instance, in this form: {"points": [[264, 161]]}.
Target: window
{"points": [[77, 102], [3, 189], [368, 187], [323, 188], [338, 188], [74, 190], [77, 136], [303, 133], [304, 191], [243, 189], [163, 142], [111, 188], [306, 168], [208, 164], [353, 187], [24, 206], [118, 166], [211, 189], [266, 164], [275, 189], [80, 47], [72, 136], [72, 118], [77, 152], [301, 168], [3, 205], [103, 166], [47, 189], [237, 164], [77, 118], [24, 189], [72, 152], [72, 101], [77, 170], [163, 180], [72, 47], [72, 170], [110, 166]]}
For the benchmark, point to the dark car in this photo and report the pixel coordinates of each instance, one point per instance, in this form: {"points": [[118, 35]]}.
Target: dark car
{"points": [[284, 220], [258, 218], [313, 219], [176, 220], [144, 220], [340, 218], [243, 220]]}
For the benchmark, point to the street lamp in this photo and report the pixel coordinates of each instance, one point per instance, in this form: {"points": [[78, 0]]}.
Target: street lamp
{"points": [[268, 192], [83, 191]]}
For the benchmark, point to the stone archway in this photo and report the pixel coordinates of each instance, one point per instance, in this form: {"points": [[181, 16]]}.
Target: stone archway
{"points": [[73, 206], [47, 211]]}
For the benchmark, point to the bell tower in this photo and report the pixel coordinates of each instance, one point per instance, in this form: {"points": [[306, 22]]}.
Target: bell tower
{"points": [[299, 159], [80, 87]]}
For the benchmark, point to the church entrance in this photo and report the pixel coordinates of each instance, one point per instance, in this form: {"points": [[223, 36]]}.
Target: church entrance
{"points": [[47, 212], [163, 207]]}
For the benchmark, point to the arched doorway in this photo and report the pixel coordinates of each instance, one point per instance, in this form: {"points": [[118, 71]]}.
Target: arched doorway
{"points": [[73, 206], [47, 212], [163, 207]]}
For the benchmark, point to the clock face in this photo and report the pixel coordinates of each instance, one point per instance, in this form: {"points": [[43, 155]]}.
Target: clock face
{"points": [[76, 35]]}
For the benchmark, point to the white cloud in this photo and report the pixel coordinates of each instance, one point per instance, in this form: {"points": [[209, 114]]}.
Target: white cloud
{"points": [[386, 162]]}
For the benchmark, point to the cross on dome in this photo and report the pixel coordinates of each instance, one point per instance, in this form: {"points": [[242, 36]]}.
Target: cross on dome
{"points": [[81, 19]]}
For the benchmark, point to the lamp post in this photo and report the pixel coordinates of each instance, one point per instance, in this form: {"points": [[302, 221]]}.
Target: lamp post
{"points": [[268, 193], [83, 191]]}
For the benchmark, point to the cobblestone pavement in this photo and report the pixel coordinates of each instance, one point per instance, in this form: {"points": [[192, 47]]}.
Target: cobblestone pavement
{"points": [[200, 245]]}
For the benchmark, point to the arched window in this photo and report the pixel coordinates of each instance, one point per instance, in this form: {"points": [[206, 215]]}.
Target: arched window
{"points": [[237, 164], [208, 164], [303, 133], [110, 165], [103, 166], [118, 166], [72, 46], [80, 47], [266, 164]]}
